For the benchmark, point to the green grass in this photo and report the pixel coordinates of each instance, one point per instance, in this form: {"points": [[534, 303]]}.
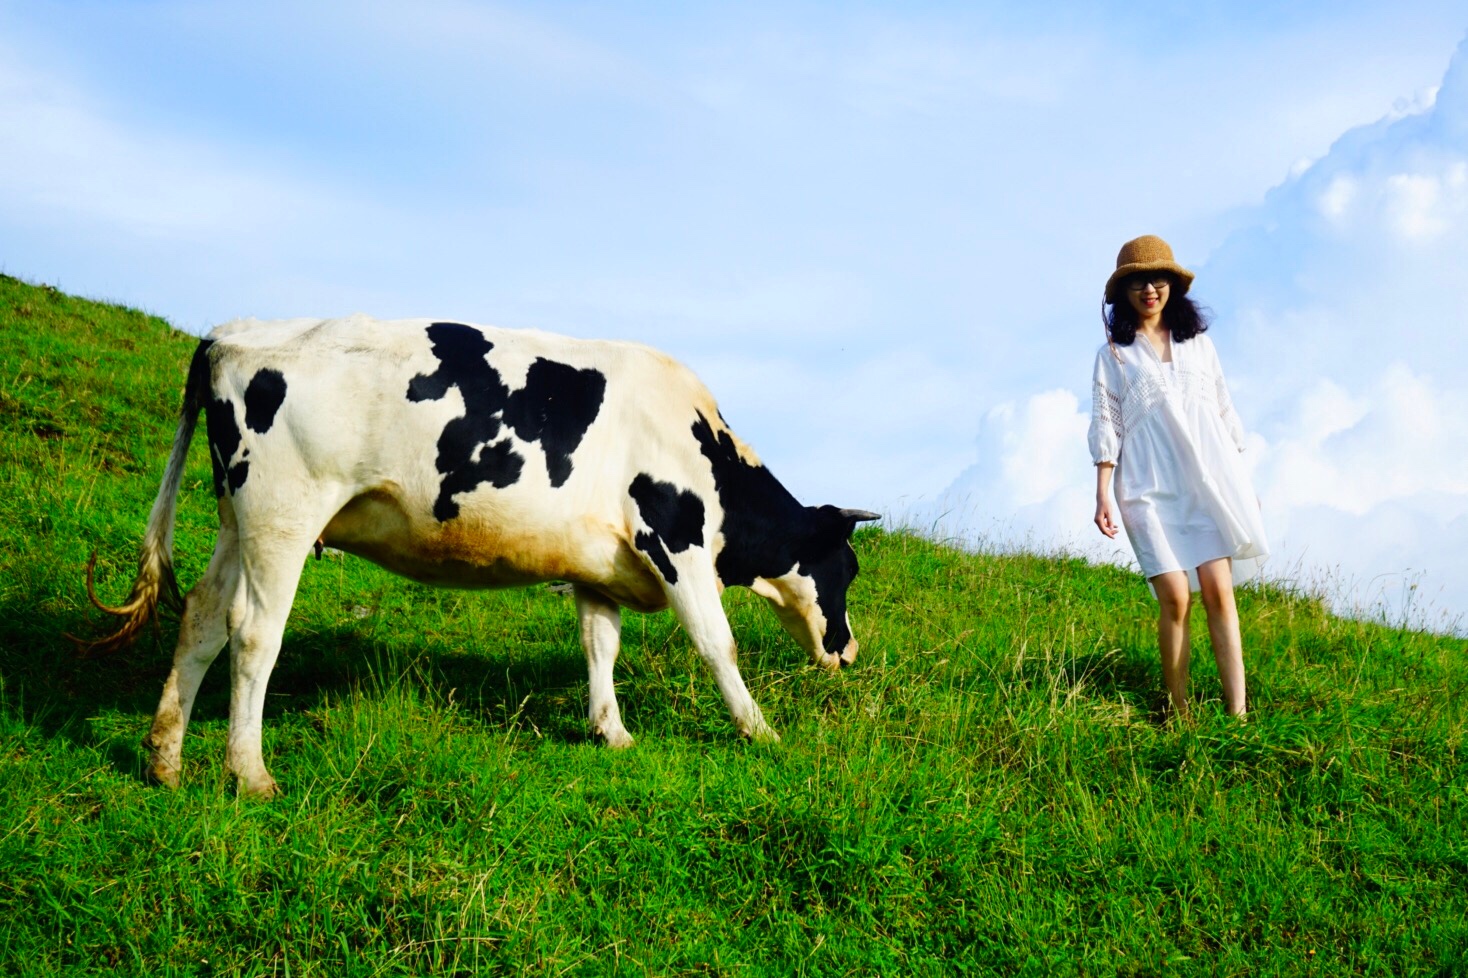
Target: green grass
{"points": [[988, 792]]}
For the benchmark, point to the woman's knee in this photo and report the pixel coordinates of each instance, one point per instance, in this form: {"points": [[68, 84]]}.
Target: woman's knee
{"points": [[1216, 586], [1218, 602], [1173, 595]]}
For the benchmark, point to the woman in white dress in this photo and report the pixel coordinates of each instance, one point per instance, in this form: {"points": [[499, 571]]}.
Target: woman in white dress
{"points": [[1162, 421]]}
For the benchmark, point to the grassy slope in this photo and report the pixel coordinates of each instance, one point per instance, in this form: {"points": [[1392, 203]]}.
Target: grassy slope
{"points": [[986, 791]]}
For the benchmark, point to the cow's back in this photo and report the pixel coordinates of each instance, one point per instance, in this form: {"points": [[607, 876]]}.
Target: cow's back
{"points": [[455, 454]]}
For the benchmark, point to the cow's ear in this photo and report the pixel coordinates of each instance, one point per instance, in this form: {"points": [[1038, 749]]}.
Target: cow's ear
{"points": [[838, 524]]}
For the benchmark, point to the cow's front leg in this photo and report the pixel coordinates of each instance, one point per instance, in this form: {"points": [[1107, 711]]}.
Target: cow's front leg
{"points": [[601, 638], [695, 600]]}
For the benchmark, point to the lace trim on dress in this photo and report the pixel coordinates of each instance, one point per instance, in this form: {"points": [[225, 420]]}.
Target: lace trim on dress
{"points": [[1195, 384], [1148, 389], [1143, 394], [1105, 404]]}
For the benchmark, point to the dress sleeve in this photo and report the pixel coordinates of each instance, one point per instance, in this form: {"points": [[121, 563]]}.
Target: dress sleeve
{"points": [[1226, 404], [1105, 433]]}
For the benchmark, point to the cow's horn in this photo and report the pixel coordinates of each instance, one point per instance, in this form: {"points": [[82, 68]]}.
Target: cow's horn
{"points": [[860, 515]]}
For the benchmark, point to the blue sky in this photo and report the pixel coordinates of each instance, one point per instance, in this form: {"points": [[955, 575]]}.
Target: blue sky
{"points": [[878, 231]]}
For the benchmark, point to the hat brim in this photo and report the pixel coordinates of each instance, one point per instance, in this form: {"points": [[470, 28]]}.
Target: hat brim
{"points": [[1183, 276]]}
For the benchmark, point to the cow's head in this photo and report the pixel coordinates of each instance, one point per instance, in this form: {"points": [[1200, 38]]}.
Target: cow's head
{"points": [[810, 598]]}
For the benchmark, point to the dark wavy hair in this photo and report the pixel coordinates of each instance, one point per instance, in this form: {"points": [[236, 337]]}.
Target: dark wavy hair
{"points": [[1183, 317]]}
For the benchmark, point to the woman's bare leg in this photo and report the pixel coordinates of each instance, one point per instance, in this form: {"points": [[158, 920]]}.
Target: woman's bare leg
{"points": [[1217, 580], [1174, 600]]}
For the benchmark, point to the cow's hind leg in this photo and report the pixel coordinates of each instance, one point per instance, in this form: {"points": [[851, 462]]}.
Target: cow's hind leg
{"points": [[270, 572], [601, 638], [695, 600], [203, 632]]}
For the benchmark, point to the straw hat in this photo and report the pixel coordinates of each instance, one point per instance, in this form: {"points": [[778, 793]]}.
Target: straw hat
{"points": [[1148, 253]]}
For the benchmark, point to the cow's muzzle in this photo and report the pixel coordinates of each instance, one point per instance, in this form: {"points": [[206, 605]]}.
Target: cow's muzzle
{"points": [[837, 660]]}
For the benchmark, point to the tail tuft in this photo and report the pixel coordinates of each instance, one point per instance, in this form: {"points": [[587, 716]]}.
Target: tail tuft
{"points": [[154, 585]]}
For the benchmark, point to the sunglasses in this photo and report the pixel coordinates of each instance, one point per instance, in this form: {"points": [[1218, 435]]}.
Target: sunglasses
{"points": [[1158, 281]]}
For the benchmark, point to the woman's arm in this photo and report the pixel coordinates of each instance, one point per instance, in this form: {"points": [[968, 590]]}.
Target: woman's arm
{"points": [[1231, 421], [1104, 435], [1104, 521]]}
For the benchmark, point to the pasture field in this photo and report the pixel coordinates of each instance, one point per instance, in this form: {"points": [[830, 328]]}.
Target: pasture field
{"points": [[989, 791]]}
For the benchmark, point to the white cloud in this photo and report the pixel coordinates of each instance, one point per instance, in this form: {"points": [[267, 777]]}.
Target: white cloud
{"points": [[1337, 198], [1036, 442], [1399, 440], [1415, 206], [1031, 482]]}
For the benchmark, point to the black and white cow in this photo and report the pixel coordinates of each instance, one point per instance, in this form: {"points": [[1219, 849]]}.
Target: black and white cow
{"points": [[474, 457]]}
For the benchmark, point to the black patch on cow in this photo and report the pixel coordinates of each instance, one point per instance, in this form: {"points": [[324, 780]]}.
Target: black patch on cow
{"points": [[263, 398], [649, 544], [497, 464], [237, 475], [224, 440], [221, 424], [761, 518], [767, 532], [675, 519], [555, 408]]}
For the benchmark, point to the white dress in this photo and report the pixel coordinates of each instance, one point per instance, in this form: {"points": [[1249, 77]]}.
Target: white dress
{"points": [[1181, 485]]}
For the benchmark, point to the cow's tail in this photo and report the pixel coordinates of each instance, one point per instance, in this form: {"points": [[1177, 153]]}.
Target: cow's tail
{"points": [[155, 582]]}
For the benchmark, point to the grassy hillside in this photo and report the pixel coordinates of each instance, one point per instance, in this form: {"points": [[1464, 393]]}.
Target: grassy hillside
{"points": [[988, 792]]}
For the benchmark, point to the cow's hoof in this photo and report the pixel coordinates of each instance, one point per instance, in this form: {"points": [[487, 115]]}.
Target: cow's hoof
{"points": [[763, 734], [165, 775], [616, 739], [162, 770], [259, 790]]}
